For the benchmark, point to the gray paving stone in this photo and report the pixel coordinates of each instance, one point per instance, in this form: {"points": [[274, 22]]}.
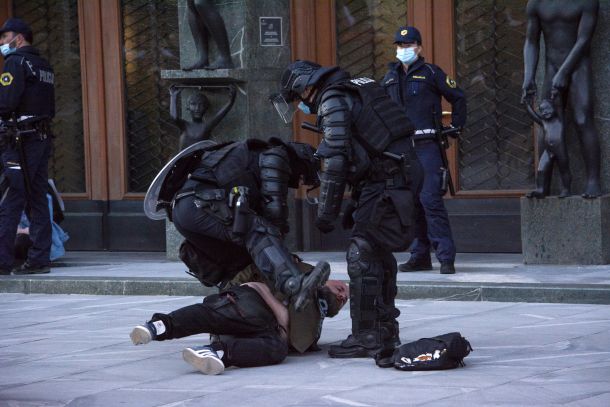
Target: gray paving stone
{"points": [[74, 350]]}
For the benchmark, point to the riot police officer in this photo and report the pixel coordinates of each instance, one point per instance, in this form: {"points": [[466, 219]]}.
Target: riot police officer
{"points": [[366, 145], [232, 211], [418, 86], [27, 104]]}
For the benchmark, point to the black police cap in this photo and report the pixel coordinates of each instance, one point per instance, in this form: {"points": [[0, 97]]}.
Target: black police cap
{"points": [[17, 25], [407, 35]]}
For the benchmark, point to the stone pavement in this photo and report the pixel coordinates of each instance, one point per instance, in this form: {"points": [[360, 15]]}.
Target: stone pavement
{"points": [[74, 350], [480, 277]]}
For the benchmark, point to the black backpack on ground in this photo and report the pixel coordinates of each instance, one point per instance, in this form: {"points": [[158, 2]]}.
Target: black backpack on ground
{"points": [[438, 353]]}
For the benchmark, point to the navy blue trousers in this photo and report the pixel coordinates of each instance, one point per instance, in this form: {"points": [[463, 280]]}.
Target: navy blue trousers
{"points": [[37, 154], [432, 228]]}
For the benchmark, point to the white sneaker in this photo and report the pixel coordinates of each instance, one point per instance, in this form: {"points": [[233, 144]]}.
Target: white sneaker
{"points": [[140, 335], [205, 359]]}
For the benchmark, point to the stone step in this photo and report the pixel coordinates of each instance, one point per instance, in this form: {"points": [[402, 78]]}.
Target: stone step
{"points": [[445, 291]]}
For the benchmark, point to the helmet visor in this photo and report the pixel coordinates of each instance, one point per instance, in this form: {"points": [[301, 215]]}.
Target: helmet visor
{"points": [[284, 109]]}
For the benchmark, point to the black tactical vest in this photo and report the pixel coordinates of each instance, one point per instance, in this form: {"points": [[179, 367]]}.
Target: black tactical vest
{"points": [[233, 165], [381, 121]]}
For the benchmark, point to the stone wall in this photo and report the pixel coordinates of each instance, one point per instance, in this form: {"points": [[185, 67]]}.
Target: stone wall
{"points": [[257, 71]]}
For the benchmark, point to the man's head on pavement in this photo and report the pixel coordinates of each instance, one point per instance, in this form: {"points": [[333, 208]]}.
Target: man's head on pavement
{"points": [[336, 294]]}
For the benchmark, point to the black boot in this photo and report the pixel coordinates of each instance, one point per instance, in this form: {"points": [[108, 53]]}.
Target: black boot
{"points": [[389, 324], [416, 265], [392, 338], [365, 344], [447, 267], [366, 272], [273, 259], [310, 283]]}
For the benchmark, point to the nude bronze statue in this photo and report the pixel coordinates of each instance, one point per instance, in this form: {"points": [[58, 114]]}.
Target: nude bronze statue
{"points": [[198, 129], [555, 149], [567, 27], [205, 23]]}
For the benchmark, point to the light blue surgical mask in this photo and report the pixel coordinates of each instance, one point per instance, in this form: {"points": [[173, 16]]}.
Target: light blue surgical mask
{"points": [[304, 108], [406, 55], [6, 49]]}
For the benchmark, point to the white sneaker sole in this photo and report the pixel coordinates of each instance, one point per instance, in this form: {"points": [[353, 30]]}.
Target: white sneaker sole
{"points": [[206, 365], [140, 335]]}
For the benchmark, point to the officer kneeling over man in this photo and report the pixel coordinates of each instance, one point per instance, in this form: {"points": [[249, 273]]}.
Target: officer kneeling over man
{"points": [[232, 210]]}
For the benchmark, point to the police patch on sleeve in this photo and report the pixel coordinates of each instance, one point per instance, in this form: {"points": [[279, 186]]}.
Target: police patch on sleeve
{"points": [[6, 79], [450, 82]]}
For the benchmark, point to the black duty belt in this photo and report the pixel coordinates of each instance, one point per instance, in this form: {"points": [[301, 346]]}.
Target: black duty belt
{"points": [[420, 141], [202, 193]]}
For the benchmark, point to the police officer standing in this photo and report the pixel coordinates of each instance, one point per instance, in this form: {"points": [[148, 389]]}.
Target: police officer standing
{"points": [[366, 145], [27, 104], [418, 87]]}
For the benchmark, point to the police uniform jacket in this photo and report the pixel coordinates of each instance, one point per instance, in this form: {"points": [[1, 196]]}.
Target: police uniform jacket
{"points": [[27, 85], [419, 91]]}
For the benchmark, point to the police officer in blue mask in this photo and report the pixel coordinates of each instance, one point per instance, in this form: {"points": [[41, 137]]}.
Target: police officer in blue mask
{"points": [[27, 104], [418, 86]]}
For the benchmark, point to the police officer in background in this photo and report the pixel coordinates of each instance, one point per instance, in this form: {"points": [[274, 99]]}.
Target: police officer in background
{"points": [[366, 145], [27, 104], [418, 87]]}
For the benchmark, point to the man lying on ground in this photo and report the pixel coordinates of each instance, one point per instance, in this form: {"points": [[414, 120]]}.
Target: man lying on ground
{"points": [[248, 325]]}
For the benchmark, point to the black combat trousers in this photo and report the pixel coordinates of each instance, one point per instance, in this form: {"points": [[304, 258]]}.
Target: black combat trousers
{"points": [[260, 242], [383, 218], [249, 331]]}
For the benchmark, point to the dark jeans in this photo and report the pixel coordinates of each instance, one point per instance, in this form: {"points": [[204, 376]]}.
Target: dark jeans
{"points": [[239, 312], [432, 228], [37, 154]]}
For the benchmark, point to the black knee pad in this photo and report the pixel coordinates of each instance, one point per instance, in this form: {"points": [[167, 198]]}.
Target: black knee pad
{"points": [[359, 257]]}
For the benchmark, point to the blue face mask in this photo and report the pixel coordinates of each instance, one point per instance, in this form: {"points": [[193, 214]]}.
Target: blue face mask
{"points": [[406, 55], [304, 108], [6, 49]]}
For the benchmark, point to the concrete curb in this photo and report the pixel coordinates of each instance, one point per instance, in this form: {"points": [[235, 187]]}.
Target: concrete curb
{"points": [[514, 292]]}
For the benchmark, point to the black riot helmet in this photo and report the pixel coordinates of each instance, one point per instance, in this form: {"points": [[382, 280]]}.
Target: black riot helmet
{"points": [[304, 165], [301, 74]]}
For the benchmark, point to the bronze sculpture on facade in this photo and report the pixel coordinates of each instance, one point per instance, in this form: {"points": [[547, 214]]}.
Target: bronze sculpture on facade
{"points": [[555, 149], [205, 23], [198, 129], [567, 27]]}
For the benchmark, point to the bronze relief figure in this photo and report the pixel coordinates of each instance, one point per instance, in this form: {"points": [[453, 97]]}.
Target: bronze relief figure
{"points": [[567, 27]]}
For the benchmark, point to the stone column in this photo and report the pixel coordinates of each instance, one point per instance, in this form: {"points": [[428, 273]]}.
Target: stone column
{"points": [[259, 39]]}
